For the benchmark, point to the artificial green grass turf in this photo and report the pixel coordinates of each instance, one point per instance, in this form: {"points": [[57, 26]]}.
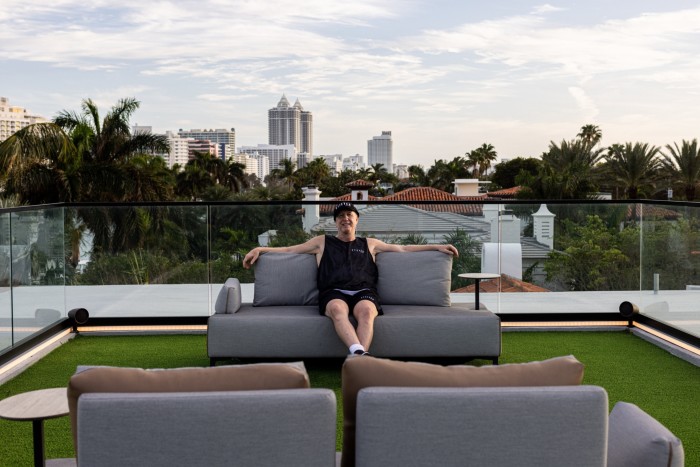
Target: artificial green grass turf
{"points": [[629, 368]]}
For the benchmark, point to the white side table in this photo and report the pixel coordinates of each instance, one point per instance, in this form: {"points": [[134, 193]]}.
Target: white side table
{"points": [[477, 276], [36, 406]]}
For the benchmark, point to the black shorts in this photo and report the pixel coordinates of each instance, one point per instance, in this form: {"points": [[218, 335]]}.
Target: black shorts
{"points": [[351, 300]]}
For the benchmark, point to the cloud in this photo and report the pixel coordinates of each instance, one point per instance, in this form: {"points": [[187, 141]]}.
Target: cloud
{"points": [[585, 103]]}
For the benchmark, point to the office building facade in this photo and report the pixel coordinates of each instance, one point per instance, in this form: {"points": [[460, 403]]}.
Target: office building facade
{"points": [[380, 151]]}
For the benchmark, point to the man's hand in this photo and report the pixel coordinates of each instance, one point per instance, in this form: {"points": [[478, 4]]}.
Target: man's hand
{"points": [[251, 257], [448, 249]]}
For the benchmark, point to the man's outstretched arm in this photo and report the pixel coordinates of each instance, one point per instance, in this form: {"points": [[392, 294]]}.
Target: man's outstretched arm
{"points": [[378, 246], [312, 247]]}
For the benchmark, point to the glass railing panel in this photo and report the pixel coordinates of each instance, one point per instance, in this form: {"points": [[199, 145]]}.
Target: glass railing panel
{"points": [[6, 334], [38, 270], [236, 229], [572, 258], [138, 261], [670, 279]]}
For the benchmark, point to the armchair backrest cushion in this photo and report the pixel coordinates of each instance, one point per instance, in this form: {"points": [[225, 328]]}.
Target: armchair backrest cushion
{"points": [[636, 439], [543, 427], [415, 278], [362, 372], [285, 279], [269, 427], [221, 378]]}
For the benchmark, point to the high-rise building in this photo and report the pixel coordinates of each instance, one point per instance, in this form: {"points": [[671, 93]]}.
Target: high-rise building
{"points": [[291, 125], [13, 119], [224, 139], [380, 151], [274, 153]]}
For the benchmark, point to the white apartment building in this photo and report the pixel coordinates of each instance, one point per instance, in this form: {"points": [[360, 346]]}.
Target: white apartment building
{"points": [[223, 138], [262, 166], [401, 171], [354, 163], [13, 118], [250, 162], [380, 150], [291, 125], [274, 153], [179, 149], [335, 162]]}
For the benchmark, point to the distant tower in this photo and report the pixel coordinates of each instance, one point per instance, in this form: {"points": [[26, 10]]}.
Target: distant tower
{"points": [[380, 151], [291, 125]]}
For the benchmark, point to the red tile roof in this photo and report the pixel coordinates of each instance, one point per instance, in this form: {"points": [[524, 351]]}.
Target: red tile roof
{"points": [[424, 193], [655, 212], [360, 184], [507, 284], [327, 209], [508, 193]]}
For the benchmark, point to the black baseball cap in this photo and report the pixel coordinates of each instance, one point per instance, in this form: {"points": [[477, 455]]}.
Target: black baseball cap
{"points": [[344, 207]]}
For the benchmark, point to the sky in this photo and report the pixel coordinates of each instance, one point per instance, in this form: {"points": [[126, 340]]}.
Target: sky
{"points": [[443, 76]]}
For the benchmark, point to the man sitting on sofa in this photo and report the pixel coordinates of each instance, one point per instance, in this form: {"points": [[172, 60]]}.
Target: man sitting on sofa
{"points": [[347, 275]]}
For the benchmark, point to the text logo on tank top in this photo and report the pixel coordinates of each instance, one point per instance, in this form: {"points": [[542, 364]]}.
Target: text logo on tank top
{"points": [[358, 250]]}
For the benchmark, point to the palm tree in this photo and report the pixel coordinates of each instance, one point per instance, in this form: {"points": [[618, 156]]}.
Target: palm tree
{"points": [[417, 175], [443, 173], [236, 178], [480, 159], [285, 172], [379, 172], [683, 166], [568, 171], [590, 134], [316, 170], [105, 147], [39, 164], [634, 166]]}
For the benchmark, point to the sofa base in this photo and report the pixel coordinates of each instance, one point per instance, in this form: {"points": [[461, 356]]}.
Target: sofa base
{"points": [[404, 331]]}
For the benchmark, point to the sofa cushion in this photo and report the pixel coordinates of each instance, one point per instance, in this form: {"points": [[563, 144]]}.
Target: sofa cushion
{"points": [[221, 378], [285, 279], [638, 440], [416, 278], [363, 372], [229, 298]]}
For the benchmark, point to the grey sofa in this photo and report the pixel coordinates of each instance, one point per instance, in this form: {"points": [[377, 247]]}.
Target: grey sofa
{"points": [[283, 320], [503, 427]]}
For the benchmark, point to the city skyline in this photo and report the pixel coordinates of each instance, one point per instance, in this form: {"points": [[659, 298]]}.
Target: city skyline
{"points": [[444, 77]]}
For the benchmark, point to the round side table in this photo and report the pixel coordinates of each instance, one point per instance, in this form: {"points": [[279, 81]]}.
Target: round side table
{"points": [[36, 406], [477, 276]]}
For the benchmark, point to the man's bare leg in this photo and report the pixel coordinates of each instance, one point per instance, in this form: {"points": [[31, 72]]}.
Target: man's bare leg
{"points": [[338, 311], [365, 311]]}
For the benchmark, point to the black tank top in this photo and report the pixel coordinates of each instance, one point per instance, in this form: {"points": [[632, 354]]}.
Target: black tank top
{"points": [[346, 266]]}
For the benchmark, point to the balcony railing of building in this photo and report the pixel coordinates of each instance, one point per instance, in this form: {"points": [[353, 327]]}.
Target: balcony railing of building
{"points": [[164, 263]]}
